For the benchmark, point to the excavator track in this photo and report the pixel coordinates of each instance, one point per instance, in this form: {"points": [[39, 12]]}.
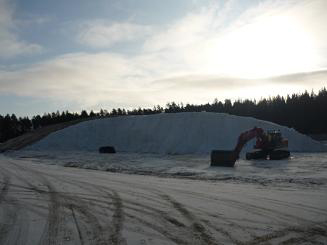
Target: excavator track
{"points": [[279, 154], [256, 155]]}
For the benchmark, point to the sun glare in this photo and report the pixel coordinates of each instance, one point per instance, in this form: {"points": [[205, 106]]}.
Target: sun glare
{"points": [[270, 46]]}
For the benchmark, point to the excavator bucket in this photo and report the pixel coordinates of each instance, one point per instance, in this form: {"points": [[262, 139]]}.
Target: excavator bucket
{"points": [[223, 158]]}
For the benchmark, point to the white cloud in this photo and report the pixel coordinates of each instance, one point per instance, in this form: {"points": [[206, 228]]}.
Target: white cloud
{"points": [[10, 45], [103, 34], [80, 77]]}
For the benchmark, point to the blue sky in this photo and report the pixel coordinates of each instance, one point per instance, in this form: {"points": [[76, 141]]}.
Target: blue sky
{"points": [[73, 55]]}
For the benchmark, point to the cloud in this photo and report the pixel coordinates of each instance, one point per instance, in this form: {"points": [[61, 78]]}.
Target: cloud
{"points": [[111, 80], [204, 55], [269, 39], [10, 45], [31, 20], [85, 78], [316, 79], [203, 89], [104, 34]]}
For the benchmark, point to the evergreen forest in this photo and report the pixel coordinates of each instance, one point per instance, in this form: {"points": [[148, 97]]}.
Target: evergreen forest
{"points": [[306, 112]]}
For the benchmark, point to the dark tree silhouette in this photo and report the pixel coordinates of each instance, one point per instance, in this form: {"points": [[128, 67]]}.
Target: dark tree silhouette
{"points": [[305, 112]]}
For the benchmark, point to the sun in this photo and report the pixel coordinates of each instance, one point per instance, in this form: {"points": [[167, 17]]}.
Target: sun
{"points": [[269, 46]]}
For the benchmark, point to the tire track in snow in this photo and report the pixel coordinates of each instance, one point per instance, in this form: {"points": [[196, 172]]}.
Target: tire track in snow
{"points": [[79, 205], [199, 232], [299, 206], [281, 218], [54, 218], [273, 215], [156, 213], [11, 230], [4, 188], [236, 225], [161, 230], [50, 233], [227, 221], [217, 227], [77, 227], [278, 216], [4, 228], [91, 224], [58, 202], [118, 213], [83, 219], [306, 234], [87, 224], [197, 228], [224, 232], [117, 219]]}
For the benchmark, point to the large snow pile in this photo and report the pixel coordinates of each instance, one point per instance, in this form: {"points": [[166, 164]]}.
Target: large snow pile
{"points": [[173, 133]]}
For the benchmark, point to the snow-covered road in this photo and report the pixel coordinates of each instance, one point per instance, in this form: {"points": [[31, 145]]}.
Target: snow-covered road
{"points": [[51, 204]]}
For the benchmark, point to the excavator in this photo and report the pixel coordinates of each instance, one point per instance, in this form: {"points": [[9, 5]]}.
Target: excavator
{"points": [[269, 145]]}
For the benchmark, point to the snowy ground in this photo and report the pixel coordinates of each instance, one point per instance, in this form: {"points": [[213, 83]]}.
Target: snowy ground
{"points": [[172, 199], [302, 168]]}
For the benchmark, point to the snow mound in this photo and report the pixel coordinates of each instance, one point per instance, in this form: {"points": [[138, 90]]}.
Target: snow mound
{"points": [[167, 133]]}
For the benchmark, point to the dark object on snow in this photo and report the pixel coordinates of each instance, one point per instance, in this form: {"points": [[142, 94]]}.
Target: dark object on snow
{"points": [[107, 149], [222, 158]]}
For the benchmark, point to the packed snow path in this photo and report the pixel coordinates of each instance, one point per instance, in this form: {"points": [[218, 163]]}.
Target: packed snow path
{"points": [[172, 133], [49, 204]]}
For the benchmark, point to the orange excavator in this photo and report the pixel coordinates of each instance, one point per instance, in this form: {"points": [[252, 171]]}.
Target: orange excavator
{"points": [[269, 145]]}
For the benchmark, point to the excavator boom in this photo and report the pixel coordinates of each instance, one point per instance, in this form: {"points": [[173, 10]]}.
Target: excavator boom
{"points": [[247, 136]]}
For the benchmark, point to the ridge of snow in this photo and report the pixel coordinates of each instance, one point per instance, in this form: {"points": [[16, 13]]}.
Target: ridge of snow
{"points": [[168, 133]]}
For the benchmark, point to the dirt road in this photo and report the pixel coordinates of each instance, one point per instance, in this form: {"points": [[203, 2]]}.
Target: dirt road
{"points": [[35, 135], [48, 204]]}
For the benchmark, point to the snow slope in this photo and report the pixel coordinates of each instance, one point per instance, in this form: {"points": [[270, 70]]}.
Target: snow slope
{"points": [[167, 133]]}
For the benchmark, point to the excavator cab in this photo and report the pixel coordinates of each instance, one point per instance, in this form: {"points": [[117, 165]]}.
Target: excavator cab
{"points": [[269, 140], [274, 137], [271, 146]]}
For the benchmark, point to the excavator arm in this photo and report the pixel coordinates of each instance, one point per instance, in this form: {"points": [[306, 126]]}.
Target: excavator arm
{"points": [[247, 136]]}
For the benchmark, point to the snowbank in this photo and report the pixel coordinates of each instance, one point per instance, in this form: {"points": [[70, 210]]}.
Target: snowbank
{"points": [[180, 133]]}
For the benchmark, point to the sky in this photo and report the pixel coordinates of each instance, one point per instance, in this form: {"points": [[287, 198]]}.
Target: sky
{"points": [[81, 54]]}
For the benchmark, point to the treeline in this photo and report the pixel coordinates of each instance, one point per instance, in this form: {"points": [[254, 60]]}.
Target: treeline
{"points": [[305, 112]]}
